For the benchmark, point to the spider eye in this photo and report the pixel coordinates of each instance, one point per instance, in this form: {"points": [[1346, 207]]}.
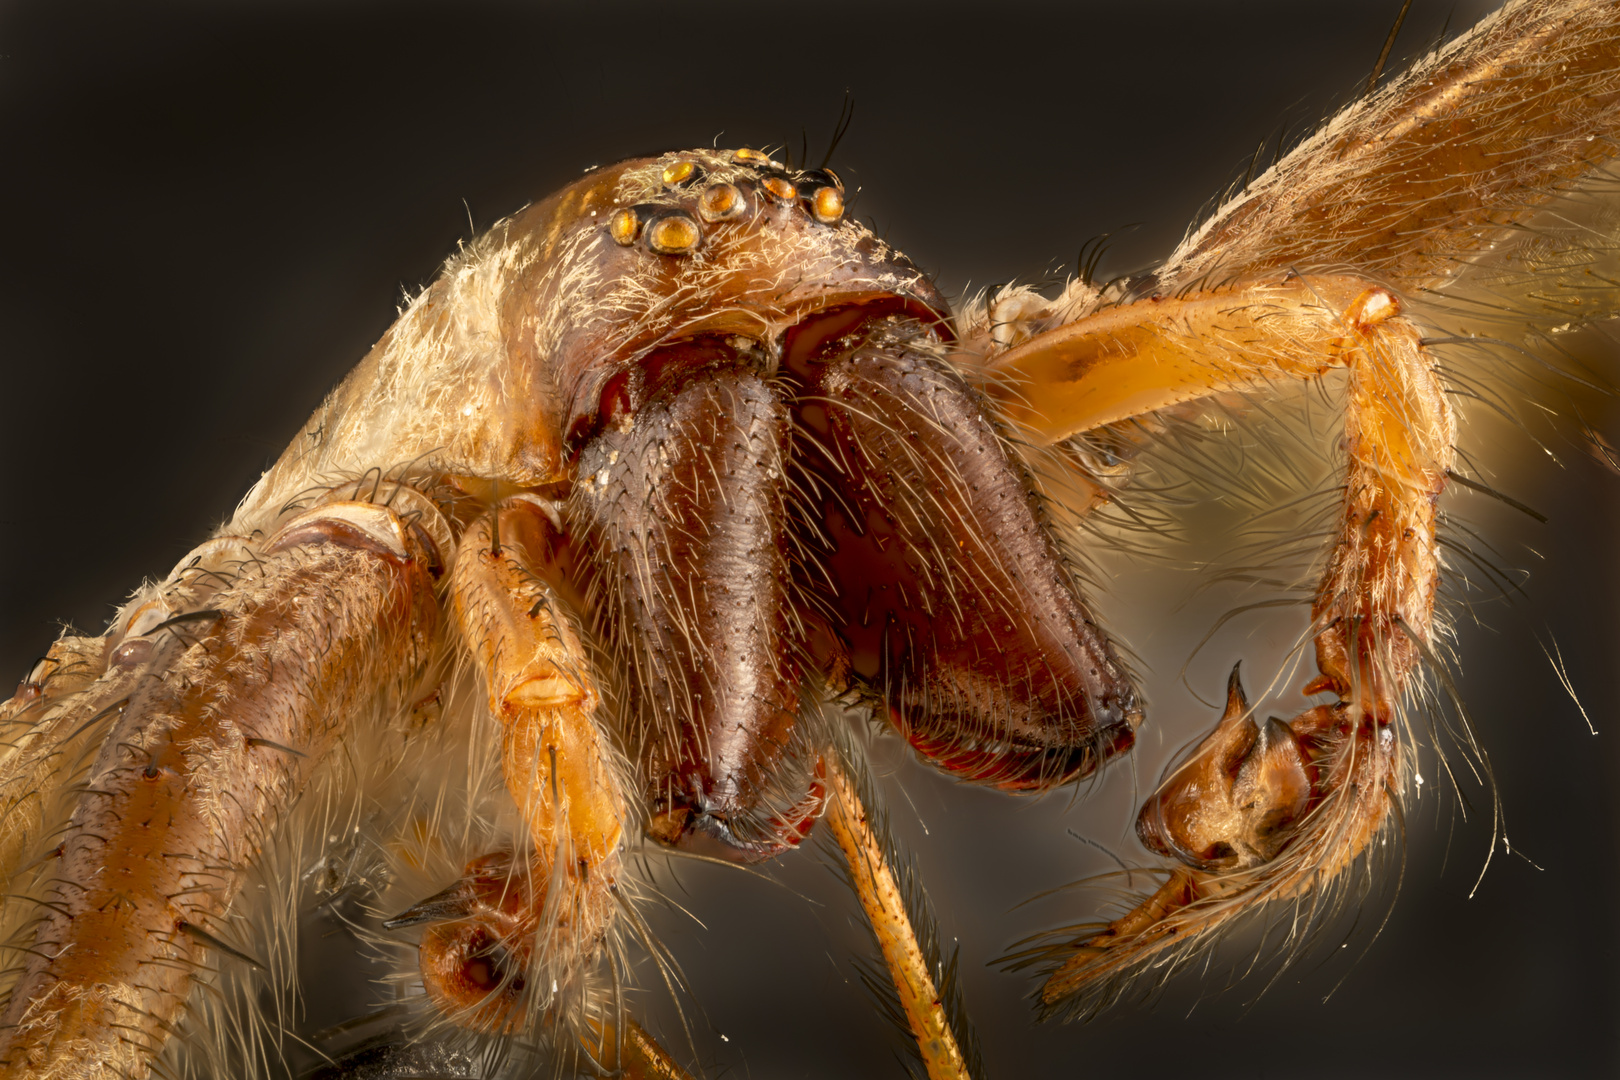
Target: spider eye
{"points": [[624, 226], [680, 172], [754, 158], [721, 201], [827, 205], [780, 188], [674, 233]]}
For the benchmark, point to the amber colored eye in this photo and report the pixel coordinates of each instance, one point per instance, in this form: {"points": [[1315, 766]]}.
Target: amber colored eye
{"points": [[780, 188], [827, 205], [678, 172], [721, 201], [673, 234], [746, 156], [624, 226]]}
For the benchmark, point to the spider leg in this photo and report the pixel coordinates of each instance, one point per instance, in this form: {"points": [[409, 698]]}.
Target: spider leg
{"points": [[875, 884], [954, 599], [1139, 357], [51, 728], [1261, 812], [48, 723], [1425, 184], [635, 1055], [229, 710], [684, 500], [515, 932]]}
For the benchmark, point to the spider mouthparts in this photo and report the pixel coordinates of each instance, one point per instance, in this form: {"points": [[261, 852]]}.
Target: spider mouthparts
{"points": [[740, 836], [701, 832], [446, 906]]}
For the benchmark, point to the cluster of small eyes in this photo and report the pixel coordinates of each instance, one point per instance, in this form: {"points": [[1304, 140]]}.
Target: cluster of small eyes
{"points": [[671, 231]]}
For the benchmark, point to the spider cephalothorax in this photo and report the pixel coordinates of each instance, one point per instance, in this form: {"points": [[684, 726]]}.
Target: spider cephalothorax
{"points": [[733, 358]]}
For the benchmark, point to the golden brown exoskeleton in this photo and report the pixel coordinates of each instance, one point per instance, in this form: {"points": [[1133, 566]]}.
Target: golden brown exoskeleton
{"points": [[665, 467]]}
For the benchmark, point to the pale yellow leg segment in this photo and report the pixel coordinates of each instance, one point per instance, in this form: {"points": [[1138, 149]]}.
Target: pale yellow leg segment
{"points": [[1262, 812], [1133, 359], [531, 659], [552, 911], [637, 1057], [881, 900]]}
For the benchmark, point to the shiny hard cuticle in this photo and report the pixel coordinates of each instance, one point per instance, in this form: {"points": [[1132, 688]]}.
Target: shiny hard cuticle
{"points": [[673, 234], [720, 201], [827, 205], [746, 156], [624, 226], [779, 188], [131, 653], [678, 172]]}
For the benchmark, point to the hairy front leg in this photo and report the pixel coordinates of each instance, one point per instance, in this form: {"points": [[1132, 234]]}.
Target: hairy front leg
{"points": [[1271, 811], [521, 933], [49, 727], [227, 713], [59, 716]]}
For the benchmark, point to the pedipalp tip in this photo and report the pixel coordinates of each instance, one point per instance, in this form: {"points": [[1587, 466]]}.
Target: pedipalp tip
{"points": [[446, 906]]}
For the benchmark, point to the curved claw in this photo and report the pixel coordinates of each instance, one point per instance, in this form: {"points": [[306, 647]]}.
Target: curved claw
{"points": [[446, 906]]}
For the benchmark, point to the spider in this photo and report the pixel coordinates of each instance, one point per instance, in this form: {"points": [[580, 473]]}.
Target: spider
{"points": [[1151, 774]]}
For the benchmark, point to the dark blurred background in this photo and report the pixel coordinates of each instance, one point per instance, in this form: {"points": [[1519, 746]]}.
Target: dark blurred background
{"points": [[210, 211]]}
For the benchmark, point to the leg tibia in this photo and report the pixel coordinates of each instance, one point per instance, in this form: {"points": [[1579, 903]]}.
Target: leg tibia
{"points": [[1375, 605], [231, 710]]}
